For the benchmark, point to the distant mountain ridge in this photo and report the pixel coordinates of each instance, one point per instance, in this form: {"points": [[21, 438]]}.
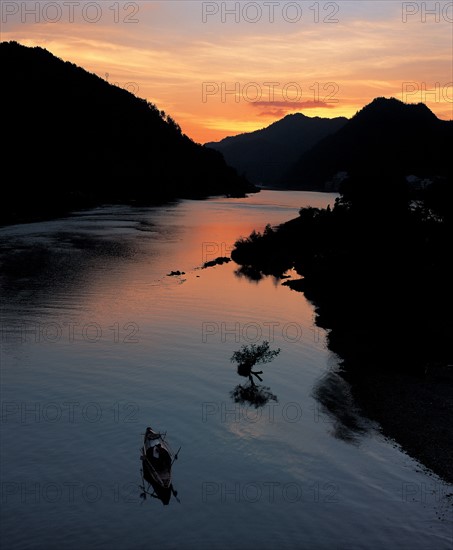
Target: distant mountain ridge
{"points": [[299, 152], [91, 142], [265, 155], [386, 134]]}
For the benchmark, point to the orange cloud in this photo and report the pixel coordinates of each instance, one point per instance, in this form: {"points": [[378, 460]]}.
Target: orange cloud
{"points": [[281, 108]]}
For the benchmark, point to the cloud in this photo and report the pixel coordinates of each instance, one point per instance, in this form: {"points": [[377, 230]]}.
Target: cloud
{"points": [[278, 113], [281, 108], [293, 105]]}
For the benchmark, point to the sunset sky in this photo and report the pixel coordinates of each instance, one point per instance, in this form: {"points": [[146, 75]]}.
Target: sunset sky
{"points": [[222, 68]]}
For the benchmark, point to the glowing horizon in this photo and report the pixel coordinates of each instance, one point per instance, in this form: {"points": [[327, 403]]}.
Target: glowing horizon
{"points": [[220, 70]]}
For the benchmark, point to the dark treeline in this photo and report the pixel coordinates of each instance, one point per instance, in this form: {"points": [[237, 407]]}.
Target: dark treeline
{"points": [[72, 139], [377, 267]]}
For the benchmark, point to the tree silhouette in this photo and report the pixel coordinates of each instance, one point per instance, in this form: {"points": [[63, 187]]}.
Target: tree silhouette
{"points": [[248, 356]]}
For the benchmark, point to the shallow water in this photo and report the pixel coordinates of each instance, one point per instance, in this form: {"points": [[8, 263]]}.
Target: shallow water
{"points": [[98, 343]]}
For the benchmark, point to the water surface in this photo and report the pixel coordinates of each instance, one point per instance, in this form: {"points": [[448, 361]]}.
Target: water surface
{"points": [[98, 343]]}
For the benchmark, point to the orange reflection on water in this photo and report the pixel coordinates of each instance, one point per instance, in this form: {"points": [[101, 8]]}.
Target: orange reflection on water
{"points": [[212, 306]]}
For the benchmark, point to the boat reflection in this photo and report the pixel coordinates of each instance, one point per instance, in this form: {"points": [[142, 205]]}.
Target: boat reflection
{"points": [[157, 460]]}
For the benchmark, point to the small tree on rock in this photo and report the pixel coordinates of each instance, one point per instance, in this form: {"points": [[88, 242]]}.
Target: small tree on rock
{"points": [[248, 356]]}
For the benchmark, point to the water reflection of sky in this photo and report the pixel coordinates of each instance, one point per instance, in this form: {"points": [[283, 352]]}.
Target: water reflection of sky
{"points": [[107, 270]]}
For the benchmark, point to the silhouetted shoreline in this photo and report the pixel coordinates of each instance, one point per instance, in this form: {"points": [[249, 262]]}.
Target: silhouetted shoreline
{"points": [[376, 268], [78, 141], [62, 210]]}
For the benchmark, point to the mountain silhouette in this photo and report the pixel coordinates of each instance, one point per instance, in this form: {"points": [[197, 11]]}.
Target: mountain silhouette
{"points": [[265, 155], [79, 141], [386, 135]]}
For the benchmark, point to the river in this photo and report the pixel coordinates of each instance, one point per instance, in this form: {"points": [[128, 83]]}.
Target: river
{"points": [[99, 342]]}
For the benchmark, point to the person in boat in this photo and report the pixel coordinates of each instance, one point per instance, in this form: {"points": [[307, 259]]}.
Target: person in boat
{"points": [[157, 451], [161, 456]]}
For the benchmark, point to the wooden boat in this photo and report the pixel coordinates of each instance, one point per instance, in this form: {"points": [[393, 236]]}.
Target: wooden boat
{"points": [[157, 459]]}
